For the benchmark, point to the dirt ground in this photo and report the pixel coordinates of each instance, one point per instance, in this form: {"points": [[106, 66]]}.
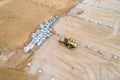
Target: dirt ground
{"points": [[18, 18], [93, 59], [81, 63], [91, 13]]}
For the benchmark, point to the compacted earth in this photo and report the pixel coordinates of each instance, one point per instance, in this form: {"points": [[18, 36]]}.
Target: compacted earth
{"points": [[97, 56], [19, 18]]}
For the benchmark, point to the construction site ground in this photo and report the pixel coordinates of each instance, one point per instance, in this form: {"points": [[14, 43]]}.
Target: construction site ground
{"points": [[53, 59], [80, 63], [18, 19]]}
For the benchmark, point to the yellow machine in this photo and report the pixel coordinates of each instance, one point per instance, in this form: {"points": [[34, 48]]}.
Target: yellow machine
{"points": [[68, 42]]}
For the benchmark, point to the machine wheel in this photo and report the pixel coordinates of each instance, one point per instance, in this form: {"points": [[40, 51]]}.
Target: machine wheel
{"points": [[70, 46]]}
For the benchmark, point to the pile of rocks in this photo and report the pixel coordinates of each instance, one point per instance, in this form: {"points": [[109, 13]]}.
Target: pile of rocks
{"points": [[40, 36]]}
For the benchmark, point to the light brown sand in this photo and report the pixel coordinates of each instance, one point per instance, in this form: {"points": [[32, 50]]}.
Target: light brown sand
{"points": [[18, 18]]}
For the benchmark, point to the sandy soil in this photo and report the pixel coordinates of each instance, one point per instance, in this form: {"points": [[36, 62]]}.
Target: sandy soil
{"points": [[111, 5], [81, 63], [12, 74], [18, 18], [96, 15], [96, 35]]}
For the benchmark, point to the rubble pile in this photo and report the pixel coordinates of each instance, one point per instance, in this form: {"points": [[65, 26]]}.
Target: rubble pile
{"points": [[40, 36]]}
